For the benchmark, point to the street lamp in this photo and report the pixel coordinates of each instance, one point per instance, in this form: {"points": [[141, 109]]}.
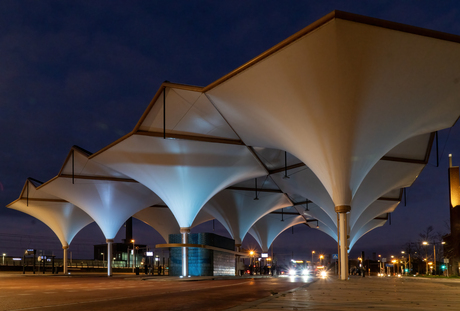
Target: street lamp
{"points": [[426, 256], [4, 258], [252, 266], [103, 259], [134, 258], [312, 252], [321, 257]]}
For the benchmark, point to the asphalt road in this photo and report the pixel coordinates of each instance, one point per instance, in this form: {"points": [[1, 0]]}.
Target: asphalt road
{"points": [[119, 293]]}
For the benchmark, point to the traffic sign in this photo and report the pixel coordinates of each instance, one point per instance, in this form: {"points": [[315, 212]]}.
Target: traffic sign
{"points": [[335, 256]]}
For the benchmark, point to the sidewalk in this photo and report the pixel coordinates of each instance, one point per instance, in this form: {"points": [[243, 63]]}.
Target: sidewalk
{"points": [[358, 293]]}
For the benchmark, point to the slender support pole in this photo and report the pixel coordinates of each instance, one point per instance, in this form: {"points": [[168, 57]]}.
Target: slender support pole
{"points": [[185, 234], [64, 258], [343, 238], [338, 244], [285, 166], [73, 166], [164, 113], [109, 256], [237, 259], [437, 150], [405, 198]]}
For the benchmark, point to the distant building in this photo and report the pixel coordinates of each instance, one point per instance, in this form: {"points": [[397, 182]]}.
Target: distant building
{"points": [[452, 245]]}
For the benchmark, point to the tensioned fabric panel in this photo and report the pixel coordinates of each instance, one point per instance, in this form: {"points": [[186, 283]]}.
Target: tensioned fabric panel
{"points": [[185, 174], [266, 229], [263, 183], [342, 96], [303, 182], [187, 112], [65, 219], [237, 211], [316, 212], [413, 148], [78, 164], [374, 210], [274, 158], [384, 177], [371, 225]]}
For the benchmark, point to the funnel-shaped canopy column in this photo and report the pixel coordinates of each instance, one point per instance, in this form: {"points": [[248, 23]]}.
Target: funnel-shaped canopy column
{"points": [[369, 226], [340, 97], [109, 200], [374, 210], [185, 174], [267, 228], [237, 210], [63, 218], [304, 183]]}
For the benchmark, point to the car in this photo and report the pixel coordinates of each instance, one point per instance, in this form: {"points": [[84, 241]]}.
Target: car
{"points": [[299, 272]]}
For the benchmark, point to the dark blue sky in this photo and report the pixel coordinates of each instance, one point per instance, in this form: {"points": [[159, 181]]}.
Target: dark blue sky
{"points": [[82, 73]]}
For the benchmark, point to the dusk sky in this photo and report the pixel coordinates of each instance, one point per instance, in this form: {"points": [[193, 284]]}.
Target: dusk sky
{"points": [[83, 72]]}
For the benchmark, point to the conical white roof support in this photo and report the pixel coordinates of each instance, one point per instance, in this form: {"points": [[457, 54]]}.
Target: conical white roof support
{"points": [[377, 208], [340, 97], [315, 212], [185, 174], [371, 225], [384, 177], [303, 182], [237, 211], [108, 200], [266, 229], [64, 218]]}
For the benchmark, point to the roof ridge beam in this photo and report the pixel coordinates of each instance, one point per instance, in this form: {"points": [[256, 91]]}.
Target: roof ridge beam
{"points": [[106, 178], [192, 137], [254, 189]]}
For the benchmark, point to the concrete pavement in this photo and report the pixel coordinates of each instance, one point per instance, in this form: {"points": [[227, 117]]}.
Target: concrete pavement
{"points": [[390, 293]]}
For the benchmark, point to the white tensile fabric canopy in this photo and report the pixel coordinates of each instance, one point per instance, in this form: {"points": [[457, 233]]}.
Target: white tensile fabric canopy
{"points": [[108, 200], [64, 218], [340, 97], [185, 174], [341, 116], [237, 210], [267, 228]]}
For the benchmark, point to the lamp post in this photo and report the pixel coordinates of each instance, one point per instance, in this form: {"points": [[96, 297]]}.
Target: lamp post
{"points": [[4, 258], [134, 258], [426, 256], [103, 259], [251, 253], [312, 252], [321, 260], [405, 262]]}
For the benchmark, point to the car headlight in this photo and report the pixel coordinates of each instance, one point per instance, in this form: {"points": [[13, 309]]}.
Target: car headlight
{"points": [[292, 272], [305, 272], [323, 274]]}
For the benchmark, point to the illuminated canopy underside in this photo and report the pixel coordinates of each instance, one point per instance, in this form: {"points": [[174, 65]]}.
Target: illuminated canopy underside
{"points": [[64, 218], [237, 211], [340, 97], [90, 186], [352, 101]]}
